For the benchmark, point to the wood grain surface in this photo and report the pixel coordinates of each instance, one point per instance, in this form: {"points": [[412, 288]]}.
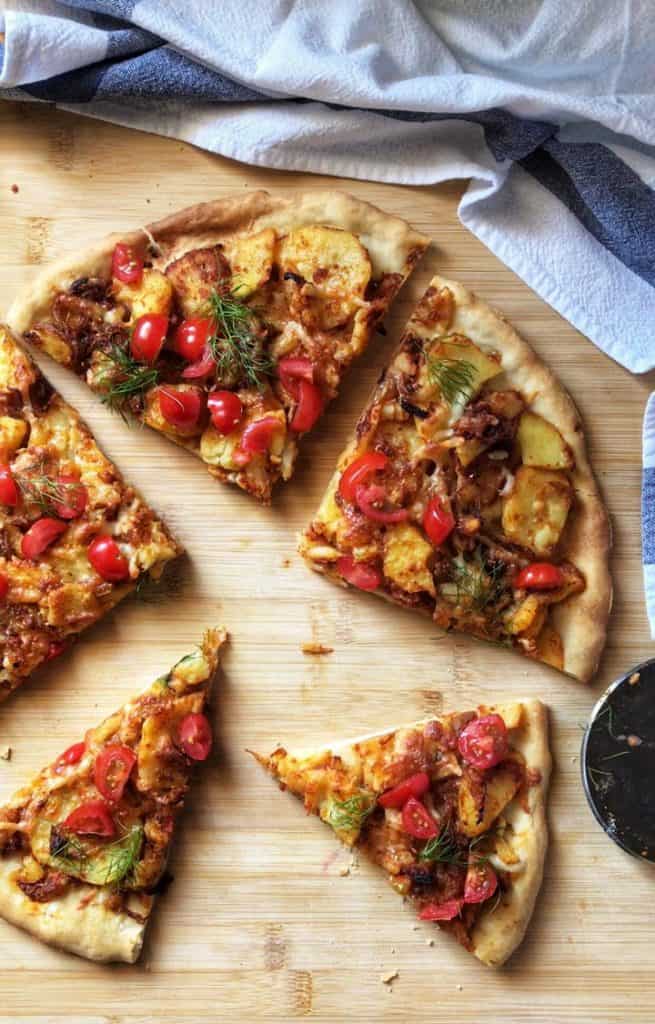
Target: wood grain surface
{"points": [[261, 923]]}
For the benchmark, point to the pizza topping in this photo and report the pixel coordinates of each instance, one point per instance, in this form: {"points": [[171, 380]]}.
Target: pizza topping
{"points": [[483, 743], [225, 410], [540, 576], [92, 818], [481, 881], [73, 497], [238, 343], [8, 490], [359, 472], [126, 264], [192, 337], [111, 771], [415, 785], [72, 755], [148, 337], [40, 536], [309, 407], [4, 586], [417, 821], [181, 408], [107, 559], [202, 367], [371, 500], [52, 885], [445, 911], [291, 371], [360, 574], [123, 381], [256, 439], [195, 737], [438, 521]]}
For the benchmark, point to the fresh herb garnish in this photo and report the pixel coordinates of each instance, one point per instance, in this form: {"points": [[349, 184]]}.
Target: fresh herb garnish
{"points": [[236, 342], [126, 379], [349, 815], [123, 855], [117, 859], [454, 377], [442, 850], [478, 585], [44, 490]]}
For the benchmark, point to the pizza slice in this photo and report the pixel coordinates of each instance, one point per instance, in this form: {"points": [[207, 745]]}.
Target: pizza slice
{"points": [[453, 811], [467, 492], [83, 847], [74, 537], [227, 326]]}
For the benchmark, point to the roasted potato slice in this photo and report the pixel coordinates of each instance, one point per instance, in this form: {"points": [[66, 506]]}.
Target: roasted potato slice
{"points": [[542, 444], [195, 276], [406, 557], [334, 262], [535, 512], [456, 369], [152, 414], [549, 647], [12, 435], [529, 617], [251, 260], [501, 786], [153, 294]]}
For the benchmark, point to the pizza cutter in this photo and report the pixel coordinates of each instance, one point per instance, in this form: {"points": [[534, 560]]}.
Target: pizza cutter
{"points": [[618, 761]]}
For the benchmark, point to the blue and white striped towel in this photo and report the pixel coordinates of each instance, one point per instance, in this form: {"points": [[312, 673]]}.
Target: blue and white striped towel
{"points": [[648, 512]]}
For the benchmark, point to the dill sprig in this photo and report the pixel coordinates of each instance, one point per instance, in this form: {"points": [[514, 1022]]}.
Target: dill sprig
{"points": [[44, 490], [349, 815], [478, 585], [443, 849], [125, 379], [123, 855], [454, 377], [118, 858], [235, 344]]}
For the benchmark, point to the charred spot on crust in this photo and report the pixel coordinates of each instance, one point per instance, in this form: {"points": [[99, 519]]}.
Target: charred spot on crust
{"points": [[41, 394]]}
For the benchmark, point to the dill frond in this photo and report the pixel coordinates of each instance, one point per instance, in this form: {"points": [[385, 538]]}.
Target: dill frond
{"points": [[235, 344]]}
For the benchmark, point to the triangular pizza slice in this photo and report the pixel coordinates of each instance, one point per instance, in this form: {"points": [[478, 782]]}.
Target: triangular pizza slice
{"points": [[451, 808], [467, 492], [227, 326], [75, 538], [83, 847]]}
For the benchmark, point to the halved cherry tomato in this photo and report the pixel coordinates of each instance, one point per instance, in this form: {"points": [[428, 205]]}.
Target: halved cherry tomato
{"points": [[73, 755], [445, 911], [290, 371], [206, 364], [195, 737], [8, 487], [112, 769], [40, 536], [481, 882], [75, 497], [180, 408], [91, 819], [126, 264], [539, 576], [417, 820], [438, 521], [483, 742], [148, 337], [367, 499], [415, 785], [309, 408], [107, 559], [359, 574], [358, 472], [225, 410], [55, 649], [256, 439], [4, 586], [192, 336]]}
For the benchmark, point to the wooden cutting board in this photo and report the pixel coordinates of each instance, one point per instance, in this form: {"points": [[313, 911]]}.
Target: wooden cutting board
{"points": [[262, 923]]}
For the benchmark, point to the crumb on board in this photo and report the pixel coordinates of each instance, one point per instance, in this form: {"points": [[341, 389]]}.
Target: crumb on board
{"points": [[5, 753], [15, 189], [315, 648], [429, 942], [386, 979], [634, 678], [344, 870], [459, 988]]}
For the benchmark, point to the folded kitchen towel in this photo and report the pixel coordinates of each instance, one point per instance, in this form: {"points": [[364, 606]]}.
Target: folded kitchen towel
{"points": [[547, 106], [648, 512]]}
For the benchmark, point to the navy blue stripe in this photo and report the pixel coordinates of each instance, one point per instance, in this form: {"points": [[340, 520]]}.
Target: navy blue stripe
{"points": [[648, 516]]}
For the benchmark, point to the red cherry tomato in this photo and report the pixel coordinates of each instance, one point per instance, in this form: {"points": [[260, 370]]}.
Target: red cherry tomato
{"points": [[367, 499], [438, 521], [73, 755], [539, 576], [256, 439], [225, 409], [309, 408], [126, 264], [8, 487], [40, 536], [107, 559], [195, 737], [358, 472], [75, 497], [417, 820], [483, 742], [445, 911], [55, 649], [290, 371], [415, 785], [148, 337], [4, 586], [111, 771], [91, 819], [180, 408], [191, 338], [359, 574], [206, 364], [481, 882]]}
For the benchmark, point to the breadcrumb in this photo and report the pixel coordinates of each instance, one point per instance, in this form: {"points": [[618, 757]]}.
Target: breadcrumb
{"points": [[315, 648], [386, 979], [5, 753]]}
